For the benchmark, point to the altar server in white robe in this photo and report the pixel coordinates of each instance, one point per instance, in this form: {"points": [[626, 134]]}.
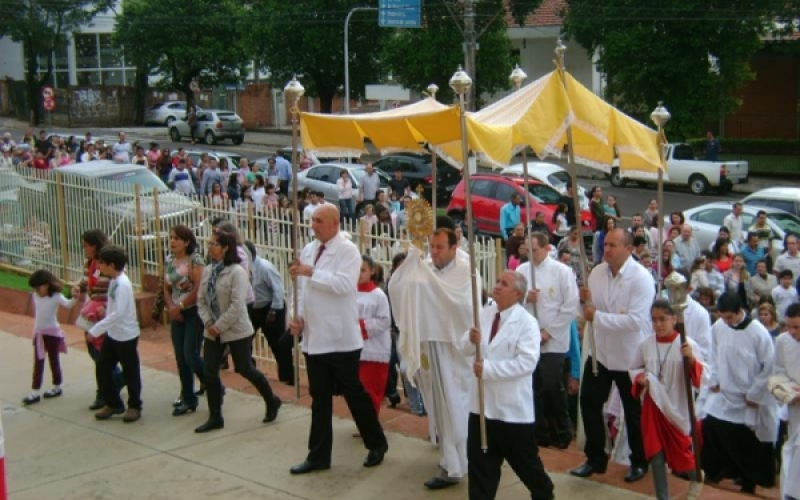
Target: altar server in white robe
{"points": [[658, 375], [509, 339], [556, 299], [785, 386], [741, 421], [432, 306]]}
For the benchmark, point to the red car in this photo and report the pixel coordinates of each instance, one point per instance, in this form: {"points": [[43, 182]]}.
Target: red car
{"points": [[491, 191]]}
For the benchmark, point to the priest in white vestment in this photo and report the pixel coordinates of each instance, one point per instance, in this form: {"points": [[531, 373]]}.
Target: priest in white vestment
{"points": [[741, 422], [432, 306], [785, 385]]}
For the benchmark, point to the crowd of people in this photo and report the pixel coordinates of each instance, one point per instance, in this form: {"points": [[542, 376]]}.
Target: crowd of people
{"points": [[432, 326]]}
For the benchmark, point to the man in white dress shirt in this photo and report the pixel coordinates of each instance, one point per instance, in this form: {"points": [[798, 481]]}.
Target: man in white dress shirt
{"points": [[509, 339], [617, 301], [327, 273], [790, 259], [556, 300], [733, 221], [741, 422]]}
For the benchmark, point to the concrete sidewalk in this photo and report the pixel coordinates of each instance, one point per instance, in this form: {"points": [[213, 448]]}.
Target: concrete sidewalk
{"points": [[57, 450]]}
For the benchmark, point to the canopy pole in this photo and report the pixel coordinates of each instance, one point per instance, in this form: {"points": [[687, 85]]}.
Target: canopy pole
{"points": [[573, 173], [528, 232], [433, 186], [460, 82]]}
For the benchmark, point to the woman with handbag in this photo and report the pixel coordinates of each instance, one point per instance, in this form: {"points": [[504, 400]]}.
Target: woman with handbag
{"points": [[184, 267], [92, 291], [222, 305]]}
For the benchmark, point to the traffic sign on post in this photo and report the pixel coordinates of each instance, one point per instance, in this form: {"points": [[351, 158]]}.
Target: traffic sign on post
{"points": [[399, 14]]}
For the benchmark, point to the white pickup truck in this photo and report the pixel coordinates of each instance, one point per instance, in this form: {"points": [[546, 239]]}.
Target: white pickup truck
{"points": [[685, 170]]}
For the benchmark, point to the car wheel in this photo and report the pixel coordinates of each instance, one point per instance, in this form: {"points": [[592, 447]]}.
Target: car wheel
{"points": [[169, 120], [698, 184], [238, 140], [209, 138], [174, 135], [616, 178]]}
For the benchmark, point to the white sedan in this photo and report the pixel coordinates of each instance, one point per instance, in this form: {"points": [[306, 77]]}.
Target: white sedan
{"points": [[549, 174], [707, 219]]}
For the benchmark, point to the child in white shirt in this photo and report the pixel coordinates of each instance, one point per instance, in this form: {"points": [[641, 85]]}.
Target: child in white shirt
{"points": [[784, 294], [48, 339]]}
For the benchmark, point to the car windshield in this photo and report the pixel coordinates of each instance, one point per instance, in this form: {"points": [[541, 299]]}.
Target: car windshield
{"points": [[227, 117], [123, 182], [558, 179], [787, 222]]}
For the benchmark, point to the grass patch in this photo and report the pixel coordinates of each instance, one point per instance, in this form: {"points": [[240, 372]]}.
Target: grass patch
{"points": [[769, 164], [14, 281]]}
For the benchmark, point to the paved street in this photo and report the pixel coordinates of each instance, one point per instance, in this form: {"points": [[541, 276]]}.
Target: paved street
{"points": [[56, 449]]}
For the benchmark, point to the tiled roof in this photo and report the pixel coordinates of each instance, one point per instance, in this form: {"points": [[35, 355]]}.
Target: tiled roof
{"points": [[548, 14]]}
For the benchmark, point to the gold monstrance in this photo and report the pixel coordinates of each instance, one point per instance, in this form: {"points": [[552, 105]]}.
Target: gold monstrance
{"points": [[419, 219]]}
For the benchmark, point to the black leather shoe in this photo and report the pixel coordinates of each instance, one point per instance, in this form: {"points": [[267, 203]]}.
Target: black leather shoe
{"points": [[586, 470], [97, 404], [201, 390], [394, 400], [210, 425], [178, 402], [307, 466], [29, 400], [375, 457], [438, 483], [183, 409], [272, 410], [634, 474]]}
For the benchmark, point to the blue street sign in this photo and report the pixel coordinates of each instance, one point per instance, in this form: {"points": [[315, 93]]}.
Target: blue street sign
{"points": [[399, 14]]}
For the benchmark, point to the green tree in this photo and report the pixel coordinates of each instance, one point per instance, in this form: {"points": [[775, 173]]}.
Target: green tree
{"points": [[650, 54], [307, 38], [432, 54], [41, 28], [184, 41]]}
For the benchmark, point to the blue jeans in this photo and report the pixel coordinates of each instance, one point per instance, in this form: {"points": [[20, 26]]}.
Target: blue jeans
{"points": [[347, 210], [186, 340]]}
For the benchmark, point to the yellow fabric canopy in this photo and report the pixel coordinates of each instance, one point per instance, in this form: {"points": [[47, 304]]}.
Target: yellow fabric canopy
{"points": [[537, 116]]}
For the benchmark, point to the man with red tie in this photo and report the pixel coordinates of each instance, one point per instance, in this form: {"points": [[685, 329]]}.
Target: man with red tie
{"points": [[509, 338], [327, 273]]}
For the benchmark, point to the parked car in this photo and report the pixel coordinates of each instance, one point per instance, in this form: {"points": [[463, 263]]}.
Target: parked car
{"points": [[164, 113], [323, 178], [782, 198], [196, 153], [212, 125], [491, 191], [418, 169], [685, 170], [101, 194], [550, 174], [707, 219]]}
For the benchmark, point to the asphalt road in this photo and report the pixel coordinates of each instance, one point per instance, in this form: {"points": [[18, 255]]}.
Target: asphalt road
{"points": [[631, 199]]}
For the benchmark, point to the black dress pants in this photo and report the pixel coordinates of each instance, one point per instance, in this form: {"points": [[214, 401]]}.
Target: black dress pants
{"points": [[594, 393], [242, 354], [339, 369], [273, 331], [125, 353], [512, 442], [550, 401]]}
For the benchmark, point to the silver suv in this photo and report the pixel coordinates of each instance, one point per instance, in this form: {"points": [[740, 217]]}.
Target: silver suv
{"points": [[212, 125]]}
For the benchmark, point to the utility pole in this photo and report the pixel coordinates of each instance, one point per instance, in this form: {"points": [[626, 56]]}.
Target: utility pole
{"points": [[470, 46]]}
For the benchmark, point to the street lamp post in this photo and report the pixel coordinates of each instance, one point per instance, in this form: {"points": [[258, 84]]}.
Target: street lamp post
{"points": [[293, 91], [660, 116], [347, 55], [460, 82]]}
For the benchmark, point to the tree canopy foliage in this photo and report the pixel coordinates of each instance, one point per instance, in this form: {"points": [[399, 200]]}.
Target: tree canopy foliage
{"points": [[185, 41], [692, 54], [41, 28]]}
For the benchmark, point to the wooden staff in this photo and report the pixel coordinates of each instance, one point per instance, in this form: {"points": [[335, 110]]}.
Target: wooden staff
{"points": [[573, 173], [678, 287], [529, 235]]}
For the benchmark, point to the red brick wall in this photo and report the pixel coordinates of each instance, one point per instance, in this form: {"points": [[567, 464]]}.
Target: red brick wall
{"points": [[769, 103]]}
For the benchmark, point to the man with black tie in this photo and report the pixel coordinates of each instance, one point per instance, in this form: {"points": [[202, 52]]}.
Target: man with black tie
{"points": [[327, 273], [509, 338]]}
